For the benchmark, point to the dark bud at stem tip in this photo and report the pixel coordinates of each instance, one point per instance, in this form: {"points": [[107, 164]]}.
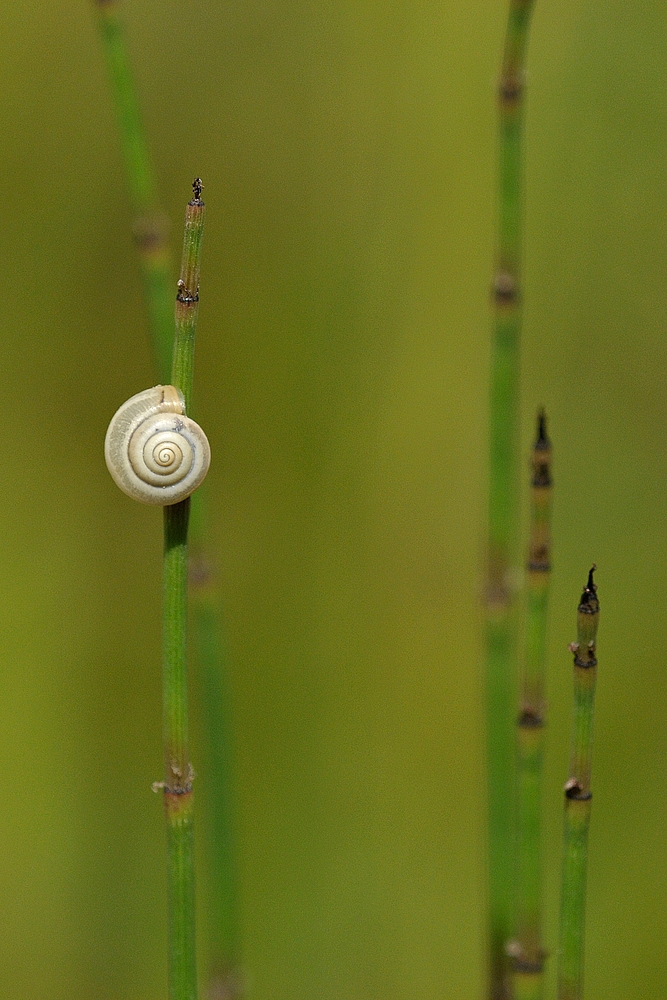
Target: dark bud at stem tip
{"points": [[542, 454], [588, 604], [197, 188], [542, 442]]}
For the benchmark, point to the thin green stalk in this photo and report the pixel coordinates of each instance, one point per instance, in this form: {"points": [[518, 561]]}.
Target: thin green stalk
{"points": [[150, 224], [178, 770], [504, 502], [578, 798], [177, 786], [150, 229], [225, 980], [527, 951]]}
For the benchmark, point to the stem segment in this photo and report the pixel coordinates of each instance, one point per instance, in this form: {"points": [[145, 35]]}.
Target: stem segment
{"points": [[150, 224], [178, 770], [578, 798], [150, 228], [503, 500], [527, 952], [225, 981]]}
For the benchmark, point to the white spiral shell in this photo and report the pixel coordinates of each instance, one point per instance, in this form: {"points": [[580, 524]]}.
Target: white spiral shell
{"points": [[153, 451]]}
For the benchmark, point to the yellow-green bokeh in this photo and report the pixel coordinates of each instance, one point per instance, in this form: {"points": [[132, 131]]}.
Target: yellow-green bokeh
{"points": [[348, 152]]}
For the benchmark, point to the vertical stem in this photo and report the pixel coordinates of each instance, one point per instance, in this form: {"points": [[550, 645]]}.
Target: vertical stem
{"points": [[187, 296], [150, 225], [503, 500], [526, 951], [150, 229], [578, 798], [178, 770], [225, 981]]}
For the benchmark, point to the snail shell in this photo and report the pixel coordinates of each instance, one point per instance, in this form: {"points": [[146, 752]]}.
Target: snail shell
{"points": [[153, 451]]}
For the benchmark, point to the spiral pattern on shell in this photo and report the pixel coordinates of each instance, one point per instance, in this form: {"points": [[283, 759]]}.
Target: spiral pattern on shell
{"points": [[154, 452]]}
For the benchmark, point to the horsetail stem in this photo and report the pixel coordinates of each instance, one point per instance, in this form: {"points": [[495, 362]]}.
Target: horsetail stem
{"points": [[225, 981], [150, 224], [526, 951], [504, 501], [178, 770], [578, 798], [150, 228]]}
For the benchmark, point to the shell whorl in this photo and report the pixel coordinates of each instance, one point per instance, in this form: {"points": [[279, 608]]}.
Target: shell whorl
{"points": [[154, 452]]}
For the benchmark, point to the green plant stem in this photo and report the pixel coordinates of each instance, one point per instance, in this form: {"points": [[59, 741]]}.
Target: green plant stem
{"points": [[504, 502], [578, 798], [187, 297], [223, 938], [527, 951], [150, 224], [178, 770], [151, 230]]}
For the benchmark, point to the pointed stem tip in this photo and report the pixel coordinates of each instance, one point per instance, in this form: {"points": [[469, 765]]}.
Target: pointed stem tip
{"points": [[197, 187], [589, 602], [542, 442]]}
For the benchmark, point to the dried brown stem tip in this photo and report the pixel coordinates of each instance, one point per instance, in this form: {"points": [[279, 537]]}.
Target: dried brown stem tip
{"points": [[542, 454], [542, 442], [197, 188], [587, 626], [589, 604]]}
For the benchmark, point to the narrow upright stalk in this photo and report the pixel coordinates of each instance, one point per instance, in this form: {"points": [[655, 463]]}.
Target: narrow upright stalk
{"points": [[224, 977], [526, 951], [187, 296], [150, 229], [150, 224], [504, 501], [578, 797], [178, 770]]}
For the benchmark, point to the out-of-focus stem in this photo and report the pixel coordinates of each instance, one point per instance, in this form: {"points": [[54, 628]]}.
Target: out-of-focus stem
{"points": [[225, 979], [150, 224], [526, 950], [150, 228], [504, 502], [578, 798]]}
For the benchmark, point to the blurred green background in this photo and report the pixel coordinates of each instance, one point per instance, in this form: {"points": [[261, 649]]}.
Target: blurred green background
{"points": [[348, 152]]}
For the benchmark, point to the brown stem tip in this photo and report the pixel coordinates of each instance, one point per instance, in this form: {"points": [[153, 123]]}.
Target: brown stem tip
{"points": [[589, 602], [197, 187], [542, 442]]}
